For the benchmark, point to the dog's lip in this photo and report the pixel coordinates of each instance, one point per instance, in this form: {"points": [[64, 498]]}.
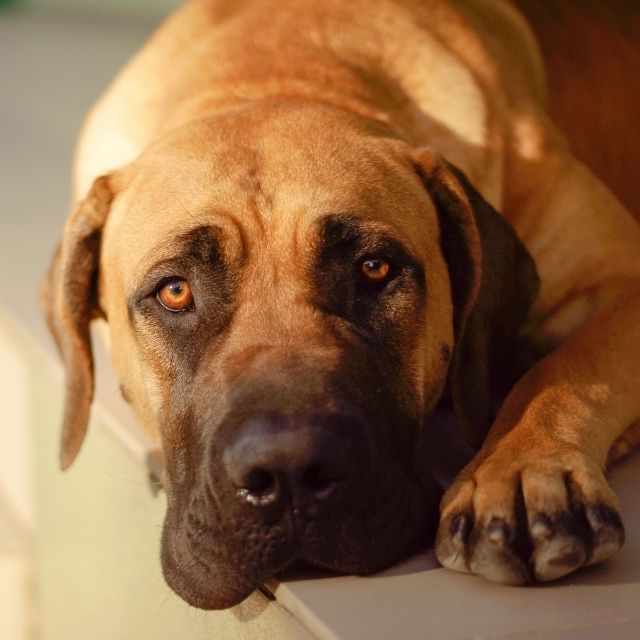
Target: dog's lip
{"points": [[215, 578], [198, 590], [201, 591]]}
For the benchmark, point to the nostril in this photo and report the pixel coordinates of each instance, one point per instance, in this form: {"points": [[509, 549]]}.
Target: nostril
{"points": [[283, 461], [259, 487], [320, 481], [260, 481]]}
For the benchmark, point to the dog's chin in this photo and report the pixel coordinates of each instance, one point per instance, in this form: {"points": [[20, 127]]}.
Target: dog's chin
{"points": [[206, 587], [198, 588], [223, 586], [220, 576]]}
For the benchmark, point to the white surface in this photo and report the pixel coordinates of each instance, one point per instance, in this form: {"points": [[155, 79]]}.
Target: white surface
{"points": [[50, 72]]}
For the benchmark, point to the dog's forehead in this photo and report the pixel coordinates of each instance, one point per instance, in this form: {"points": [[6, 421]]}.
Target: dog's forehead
{"points": [[273, 178]]}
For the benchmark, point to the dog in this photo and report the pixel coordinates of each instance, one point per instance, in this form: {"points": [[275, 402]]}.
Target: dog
{"points": [[288, 216]]}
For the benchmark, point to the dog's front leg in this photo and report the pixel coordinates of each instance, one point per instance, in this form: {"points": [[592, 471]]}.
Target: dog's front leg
{"points": [[535, 503]]}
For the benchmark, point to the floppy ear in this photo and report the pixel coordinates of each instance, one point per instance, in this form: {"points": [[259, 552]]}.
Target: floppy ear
{"points": [[68, 300], [493, 284]]}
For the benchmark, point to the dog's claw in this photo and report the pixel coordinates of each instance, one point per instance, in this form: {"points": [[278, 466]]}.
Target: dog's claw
{"points": [[541, 528], [460, 529], [493, 554], [498, 532], [451, 550], [607, 531]]}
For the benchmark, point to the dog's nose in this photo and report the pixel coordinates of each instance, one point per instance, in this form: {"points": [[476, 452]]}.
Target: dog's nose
{"points": [[281, 460]]}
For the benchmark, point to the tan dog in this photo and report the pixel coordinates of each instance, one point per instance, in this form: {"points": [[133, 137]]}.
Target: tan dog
{"points": [[294, 277]]}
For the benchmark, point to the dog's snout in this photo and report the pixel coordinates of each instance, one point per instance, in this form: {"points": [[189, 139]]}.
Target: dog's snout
{"points": [[287, 460]]}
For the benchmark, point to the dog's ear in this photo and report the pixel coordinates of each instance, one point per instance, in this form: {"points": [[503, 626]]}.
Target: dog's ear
{"points": [[68, 300], [493, 284]]}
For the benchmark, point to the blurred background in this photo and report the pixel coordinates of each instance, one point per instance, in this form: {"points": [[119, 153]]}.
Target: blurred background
{"points": [[145, 9], [56, 57]]}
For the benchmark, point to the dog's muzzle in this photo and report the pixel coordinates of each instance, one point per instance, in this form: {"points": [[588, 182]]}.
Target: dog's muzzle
{"points": [[299, 468]]}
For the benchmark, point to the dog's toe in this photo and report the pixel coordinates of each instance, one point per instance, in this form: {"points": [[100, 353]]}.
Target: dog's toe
{"points": [[559, 540], [495, 554], [596, 505], [558, 546], [453, 533]]}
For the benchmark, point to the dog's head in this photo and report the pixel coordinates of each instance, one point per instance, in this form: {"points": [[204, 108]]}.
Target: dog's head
{"points": [[288, 291]]}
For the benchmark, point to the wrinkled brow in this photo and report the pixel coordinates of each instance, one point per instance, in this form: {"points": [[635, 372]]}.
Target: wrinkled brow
{"points": [[347, 232], [192, 244]]}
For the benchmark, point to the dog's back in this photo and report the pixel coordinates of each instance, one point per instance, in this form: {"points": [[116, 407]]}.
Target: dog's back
{"points": [[592, 60], [435, 68]]}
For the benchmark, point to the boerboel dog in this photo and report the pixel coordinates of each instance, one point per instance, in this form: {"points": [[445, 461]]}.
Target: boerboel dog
{"points": [[287, 213]]}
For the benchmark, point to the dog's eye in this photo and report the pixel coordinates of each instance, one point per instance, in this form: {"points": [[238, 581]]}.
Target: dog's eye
{"points": [[375, 270], [176, 295]]}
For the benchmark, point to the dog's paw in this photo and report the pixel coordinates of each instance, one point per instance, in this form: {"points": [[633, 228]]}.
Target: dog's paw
{"points": [[536, 519]]}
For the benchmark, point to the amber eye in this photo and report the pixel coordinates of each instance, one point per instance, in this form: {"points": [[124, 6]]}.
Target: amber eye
{"points": [[176, 295], [375, 269]]}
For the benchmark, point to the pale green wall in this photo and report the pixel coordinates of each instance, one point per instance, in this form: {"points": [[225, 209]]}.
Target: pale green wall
{"points": [[133, 8]]}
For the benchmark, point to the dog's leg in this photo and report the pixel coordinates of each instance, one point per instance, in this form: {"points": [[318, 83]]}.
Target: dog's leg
{"points": [[535, 503]]}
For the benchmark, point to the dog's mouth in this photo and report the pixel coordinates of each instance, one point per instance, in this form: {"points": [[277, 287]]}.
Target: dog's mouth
{"points": [[215, 561]]}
